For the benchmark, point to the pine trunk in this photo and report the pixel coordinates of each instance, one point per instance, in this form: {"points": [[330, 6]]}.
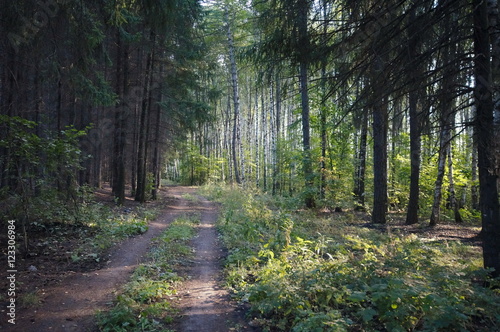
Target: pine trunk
{"points": [[452, 197], [140, 194], [119, 134], [488, 190], [415, 152], [304, 95], [380, 127]]}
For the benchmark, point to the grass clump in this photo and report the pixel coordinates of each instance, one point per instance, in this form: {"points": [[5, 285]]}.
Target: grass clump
{"points": [[145, 303], [301, 272]]}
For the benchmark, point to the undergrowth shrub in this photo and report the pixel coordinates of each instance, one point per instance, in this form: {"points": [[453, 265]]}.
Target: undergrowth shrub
{"points": [[300, 272]]}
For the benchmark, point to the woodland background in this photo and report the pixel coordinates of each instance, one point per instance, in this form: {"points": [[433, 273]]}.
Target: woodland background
{"points": [[382, 106]]}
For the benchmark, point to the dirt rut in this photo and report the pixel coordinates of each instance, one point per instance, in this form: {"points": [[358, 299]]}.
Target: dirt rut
{"points": [[206, 305]]}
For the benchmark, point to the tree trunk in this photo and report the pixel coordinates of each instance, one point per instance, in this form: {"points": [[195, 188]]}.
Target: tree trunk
{"points": [[359, 179], [264, 131], [323, 112], [140, 194], [452, 197], [494, 30], [414, 94], [488, 190], [277, 119], [444, 138], [474, 176], [380, 127], [157, 143], [303, 9], [119, 134], [446, 101], [236, 97], [415, 152]]}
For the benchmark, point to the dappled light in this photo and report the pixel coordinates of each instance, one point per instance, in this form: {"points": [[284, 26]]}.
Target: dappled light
{"points": [[252, 165]]}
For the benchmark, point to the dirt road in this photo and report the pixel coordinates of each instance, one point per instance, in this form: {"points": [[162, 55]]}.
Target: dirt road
{"points": [[206, 307]]}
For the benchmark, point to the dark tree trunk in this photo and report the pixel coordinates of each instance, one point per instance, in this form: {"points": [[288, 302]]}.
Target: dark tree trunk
{"points": [[488, 190], [415, 126], [140, 194], [157, 147], [380, 127], [303, 9], [415, 152], [119, 135]]}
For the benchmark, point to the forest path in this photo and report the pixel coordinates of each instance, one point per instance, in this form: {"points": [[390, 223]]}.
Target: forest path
{"points": [[206, 307]]}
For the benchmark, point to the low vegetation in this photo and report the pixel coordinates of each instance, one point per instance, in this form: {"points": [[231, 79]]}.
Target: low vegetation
{"points": [[146, 302], [98, 229], [302, 272]]}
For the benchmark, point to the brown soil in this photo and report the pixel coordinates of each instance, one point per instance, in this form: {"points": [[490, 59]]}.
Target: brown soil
{"points": [[70, 298], [204, 303]]}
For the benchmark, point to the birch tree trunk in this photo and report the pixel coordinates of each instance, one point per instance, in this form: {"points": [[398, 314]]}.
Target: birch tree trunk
{"points": [[276, 170], [257, 133], [446, 116], [236, 97], [264, 144], [359, 178], [444, 139]]}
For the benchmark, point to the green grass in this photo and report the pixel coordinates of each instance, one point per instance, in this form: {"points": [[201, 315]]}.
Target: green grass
{"points": [[29, 300], [301, 272], [190, 197], [145, 303]]}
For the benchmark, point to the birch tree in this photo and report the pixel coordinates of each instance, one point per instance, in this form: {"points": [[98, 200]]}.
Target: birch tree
{"points": [[236, 97]]}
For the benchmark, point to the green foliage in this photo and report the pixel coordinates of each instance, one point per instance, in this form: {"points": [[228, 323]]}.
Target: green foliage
{"points": [[145, 302], [194, 167], [96, 90], [41, 171], [349, 277]]}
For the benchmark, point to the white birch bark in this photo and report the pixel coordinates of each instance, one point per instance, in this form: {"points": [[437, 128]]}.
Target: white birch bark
{"points": [[236, 97]]}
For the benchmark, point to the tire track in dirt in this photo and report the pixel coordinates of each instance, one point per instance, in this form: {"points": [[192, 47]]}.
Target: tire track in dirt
{"points": [[71, 305], [206, 306]]}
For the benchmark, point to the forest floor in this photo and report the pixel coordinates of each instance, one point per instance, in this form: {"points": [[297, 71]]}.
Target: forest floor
{"points": [[70, 297], [67, 294]]}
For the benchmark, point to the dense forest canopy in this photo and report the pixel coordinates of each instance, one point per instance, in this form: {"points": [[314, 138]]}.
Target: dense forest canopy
{"points": [[380, 106]]}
